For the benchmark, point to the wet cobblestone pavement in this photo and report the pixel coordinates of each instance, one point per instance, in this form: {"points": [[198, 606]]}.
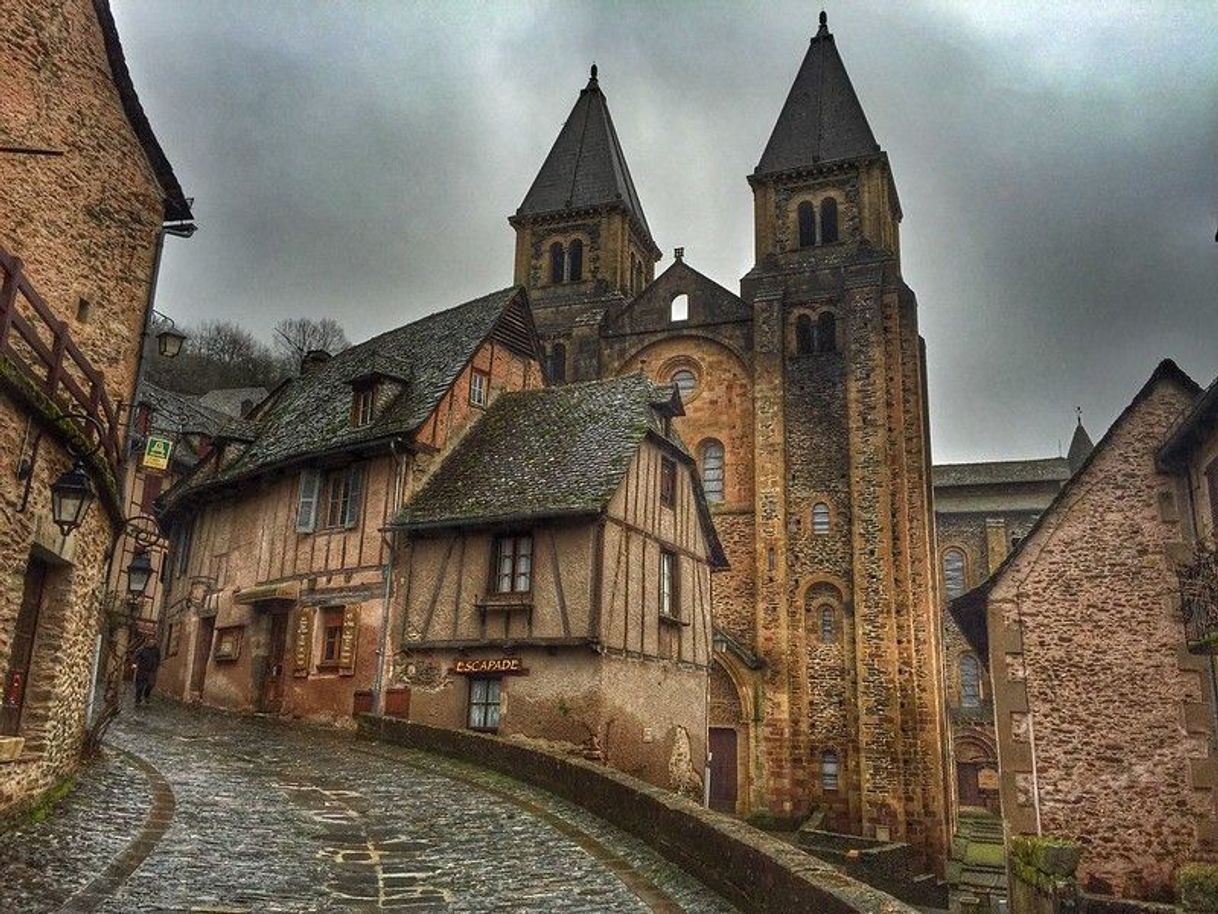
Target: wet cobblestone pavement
{"points": [[255, 815]]}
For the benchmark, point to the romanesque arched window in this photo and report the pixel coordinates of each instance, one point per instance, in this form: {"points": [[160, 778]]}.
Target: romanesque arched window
{"points": [[806, 215], [828, 220], [955, 580], [828, 624], [826, 332], [575, 261], [820, 519], [558, 262], [712, 470], [970, 682], [558, 363], [680, 308], [804, 338], [829, 770]]}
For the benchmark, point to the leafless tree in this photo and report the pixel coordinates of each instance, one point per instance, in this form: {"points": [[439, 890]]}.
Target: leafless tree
{"points": [[296, 336]]}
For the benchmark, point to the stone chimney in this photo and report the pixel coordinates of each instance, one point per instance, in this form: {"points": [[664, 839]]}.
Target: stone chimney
{"points": [[313, 359]]}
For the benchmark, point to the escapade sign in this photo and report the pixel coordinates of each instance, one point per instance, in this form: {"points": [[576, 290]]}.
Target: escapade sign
{"points": [[489, 665]]}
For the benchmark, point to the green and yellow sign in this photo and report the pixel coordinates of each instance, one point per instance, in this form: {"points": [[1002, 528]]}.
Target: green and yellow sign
{"points": [[156, 452]]}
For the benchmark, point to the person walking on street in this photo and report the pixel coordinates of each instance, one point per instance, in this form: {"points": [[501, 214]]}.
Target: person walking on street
{"points": [[147, 660]]}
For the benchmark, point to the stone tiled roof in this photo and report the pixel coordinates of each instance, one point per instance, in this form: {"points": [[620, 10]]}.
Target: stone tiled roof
{"points": [[230, 399], [312, 414], [822, 120], [174, 413], [998, 472], [586, 167], [554, 452]]}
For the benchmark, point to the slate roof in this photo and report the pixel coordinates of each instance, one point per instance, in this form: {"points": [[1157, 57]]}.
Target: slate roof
{"points": [[177, 207], [1081, 447], [180, 414], [549, 453], [822, 120], [312, 415], [586, 167], [998, 472], [229, 399]]}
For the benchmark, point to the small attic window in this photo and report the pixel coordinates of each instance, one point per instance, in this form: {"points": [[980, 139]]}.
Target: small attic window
{"points": [[680, 308], [364, 405]]}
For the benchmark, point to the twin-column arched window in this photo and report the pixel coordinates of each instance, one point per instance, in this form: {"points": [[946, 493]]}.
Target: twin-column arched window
{"points": [[567, 263], [955, 580], [805, 216], [817, 337]]}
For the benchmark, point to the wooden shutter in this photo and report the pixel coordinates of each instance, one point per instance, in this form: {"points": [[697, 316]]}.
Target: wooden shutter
{"points": [[355, 496], [346, 648], [306, 509], [303, 641]]}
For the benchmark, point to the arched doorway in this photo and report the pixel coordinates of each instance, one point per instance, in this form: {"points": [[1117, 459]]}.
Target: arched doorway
{"points": [[728, 741]]}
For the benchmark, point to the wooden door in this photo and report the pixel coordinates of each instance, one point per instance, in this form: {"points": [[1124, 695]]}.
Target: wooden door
{"points": [[723, 769], [16, 680], [272, 684], [198, 672], [967, 788]]}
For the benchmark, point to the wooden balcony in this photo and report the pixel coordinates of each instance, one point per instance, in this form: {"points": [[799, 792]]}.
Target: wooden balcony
{"points": [[43, 367]]}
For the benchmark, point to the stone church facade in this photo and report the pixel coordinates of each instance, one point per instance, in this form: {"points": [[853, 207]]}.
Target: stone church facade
{"points": [[805, 407]]}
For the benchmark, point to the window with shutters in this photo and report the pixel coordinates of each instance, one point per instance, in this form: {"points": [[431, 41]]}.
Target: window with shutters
{"points": [[806, 216], [970, 682], [829, 770], [344, 495], [955, 581], [712, 470], [307, 500], [514, 564], [331, 625], [668, 482], [479, 386], [820, 519], [484, 697], [669, 584]]}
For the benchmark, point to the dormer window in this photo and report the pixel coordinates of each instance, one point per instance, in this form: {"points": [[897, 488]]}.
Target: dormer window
{"points": [[479, 387], [364, 405]]}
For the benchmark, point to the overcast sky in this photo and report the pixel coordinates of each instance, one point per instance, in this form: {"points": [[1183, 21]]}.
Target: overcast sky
{"points": [[1057, 164]]}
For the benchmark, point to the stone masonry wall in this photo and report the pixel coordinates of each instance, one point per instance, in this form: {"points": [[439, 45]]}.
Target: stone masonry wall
{"points": [[1091, 674]]}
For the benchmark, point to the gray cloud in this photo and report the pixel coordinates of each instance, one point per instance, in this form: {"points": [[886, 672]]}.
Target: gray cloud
{"points": [[1056, 165]]}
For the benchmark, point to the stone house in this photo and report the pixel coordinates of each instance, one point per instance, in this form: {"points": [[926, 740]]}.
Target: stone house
{"points": [[554, 580], [1104, 715], [805, 410], [982, 511], [277, 595], [86, 197]]}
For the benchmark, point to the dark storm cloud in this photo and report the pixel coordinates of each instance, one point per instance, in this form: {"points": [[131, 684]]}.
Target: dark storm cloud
{"points": [[1055, 161]]}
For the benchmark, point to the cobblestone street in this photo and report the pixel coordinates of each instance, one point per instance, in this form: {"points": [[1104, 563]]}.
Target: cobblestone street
{"points": [[193, 810]]}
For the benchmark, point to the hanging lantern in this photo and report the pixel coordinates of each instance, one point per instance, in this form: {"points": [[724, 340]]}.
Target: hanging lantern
{"points": [[139, 572], [71, 495]]}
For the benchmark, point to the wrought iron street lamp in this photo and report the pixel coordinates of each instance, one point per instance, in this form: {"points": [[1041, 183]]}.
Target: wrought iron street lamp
{"points": [[139, 572], [71, 495], [169, 338]]}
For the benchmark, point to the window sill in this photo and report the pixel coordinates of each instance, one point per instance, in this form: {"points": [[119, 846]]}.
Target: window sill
{"points": [[667, 619], [506, 602]]}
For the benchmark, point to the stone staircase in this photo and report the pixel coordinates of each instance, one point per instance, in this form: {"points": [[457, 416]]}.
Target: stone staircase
{"points": [[977, 866]]}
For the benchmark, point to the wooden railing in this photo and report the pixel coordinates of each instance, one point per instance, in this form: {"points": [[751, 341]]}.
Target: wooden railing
{"points": [[41, 350]]}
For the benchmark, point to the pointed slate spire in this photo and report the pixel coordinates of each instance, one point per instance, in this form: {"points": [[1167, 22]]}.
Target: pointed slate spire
{"points": [[586, 167], [822, 120], [1080, 445]]}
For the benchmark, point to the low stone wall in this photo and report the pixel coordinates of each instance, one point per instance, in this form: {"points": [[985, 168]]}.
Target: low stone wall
{"points": [[751, 869]]}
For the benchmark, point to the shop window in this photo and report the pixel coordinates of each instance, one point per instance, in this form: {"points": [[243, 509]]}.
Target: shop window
{"points": [[668, 482], [712, 470], [575, 261], [669, 605], [820, 519], [970, 682], [514, 564], [954, 577], [828, 220], [829, 770], [484, 703], [806, 215], [344, 496], [479, 387]]}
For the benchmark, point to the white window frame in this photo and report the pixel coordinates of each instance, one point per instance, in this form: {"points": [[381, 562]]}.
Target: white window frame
{"points": [[307, 500], [479, 387]]}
